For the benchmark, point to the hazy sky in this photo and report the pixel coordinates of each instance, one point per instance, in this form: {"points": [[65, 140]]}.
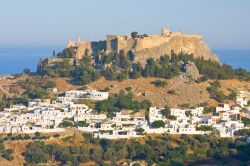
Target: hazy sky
{"points": [[223, 23]]}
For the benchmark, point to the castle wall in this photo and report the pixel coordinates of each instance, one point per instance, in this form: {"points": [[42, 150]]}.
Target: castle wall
{"points": [[82, 47], [124, 43], [152, 46], [111, 42], [150, 42], [118, 42]]}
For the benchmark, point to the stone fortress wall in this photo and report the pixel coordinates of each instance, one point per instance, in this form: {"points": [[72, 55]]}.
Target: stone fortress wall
{"points": [[83, 46], [148, 46]]}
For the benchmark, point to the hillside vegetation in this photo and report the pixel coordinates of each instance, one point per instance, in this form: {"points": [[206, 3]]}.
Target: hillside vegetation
{"points": [[81, 149], [122, 66]]}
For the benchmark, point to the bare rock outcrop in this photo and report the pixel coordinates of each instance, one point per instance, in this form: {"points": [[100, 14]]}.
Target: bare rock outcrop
{"points": [[191, 70]]}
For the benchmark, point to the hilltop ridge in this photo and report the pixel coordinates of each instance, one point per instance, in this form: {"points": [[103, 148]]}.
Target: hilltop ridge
{"points": [[122, 57], [146, 46]]}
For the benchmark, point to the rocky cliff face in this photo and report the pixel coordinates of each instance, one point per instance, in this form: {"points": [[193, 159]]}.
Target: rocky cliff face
{"points": [[191, 70], [191, 44]]}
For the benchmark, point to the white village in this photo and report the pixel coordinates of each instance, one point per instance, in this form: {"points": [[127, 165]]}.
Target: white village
{"points": [[45, 116]]}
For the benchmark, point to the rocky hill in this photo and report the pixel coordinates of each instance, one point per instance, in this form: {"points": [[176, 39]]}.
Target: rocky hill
{"points": [[146, 46], [189, 44], [184, 62]]}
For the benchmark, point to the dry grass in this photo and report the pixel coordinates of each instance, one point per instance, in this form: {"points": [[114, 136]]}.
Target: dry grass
{"points": [[18, 147], [185, 91]]}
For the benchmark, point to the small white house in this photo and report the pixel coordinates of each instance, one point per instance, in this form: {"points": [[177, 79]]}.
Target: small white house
{"points": [[15, 108], [178, 112], [222, 107], [87, 94]]}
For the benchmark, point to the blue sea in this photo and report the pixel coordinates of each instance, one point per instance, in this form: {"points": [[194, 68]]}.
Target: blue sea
{"points": [[14, 60], [235, 58]]}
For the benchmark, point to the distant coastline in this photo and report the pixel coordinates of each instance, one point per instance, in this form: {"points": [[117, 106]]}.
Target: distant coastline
{"points": [[14, 60], [235, 57]]}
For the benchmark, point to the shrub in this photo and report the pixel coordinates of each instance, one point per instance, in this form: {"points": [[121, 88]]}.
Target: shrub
{"points": [[208, 110], [7, 154], [172, 92], [243, 132], [56, 135], [159, 83], [204, 128], [128, 88], [37, 134], [203, 104], [81, 123], [66, 124], [136, 164], [232, 95], [2, 147], [140, 130], [214, 91], [201, 79]]}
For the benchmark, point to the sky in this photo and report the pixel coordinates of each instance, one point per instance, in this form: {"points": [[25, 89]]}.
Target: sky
{"points": [[224, 24]]}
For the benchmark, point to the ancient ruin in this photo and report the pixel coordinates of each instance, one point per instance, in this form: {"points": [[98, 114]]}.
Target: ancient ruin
{"points": [[142, 46], [145, 46]]}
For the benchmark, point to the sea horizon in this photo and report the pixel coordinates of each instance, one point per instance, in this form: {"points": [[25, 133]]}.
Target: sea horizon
{"points": [[14, 59]]}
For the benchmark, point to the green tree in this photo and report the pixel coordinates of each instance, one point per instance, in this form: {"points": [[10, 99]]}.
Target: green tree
{"points": [[96, 154], [158, 124], [81, 123], [232, 96], [84, 155], [166, 111], [66, 124], [26, 71], [134, 34], [208, 110], [140, 131], [35, 153]]}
